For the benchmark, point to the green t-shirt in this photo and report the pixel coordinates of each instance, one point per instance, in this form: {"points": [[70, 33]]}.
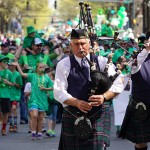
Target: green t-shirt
{"points": [[4, 88], [16, 92], [34, 59], [39, 97], [27, 42], [10, 56], [18, 41], [51, 98]]}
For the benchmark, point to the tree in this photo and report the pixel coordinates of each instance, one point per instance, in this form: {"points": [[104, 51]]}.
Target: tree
{"points": [[17, 8]]}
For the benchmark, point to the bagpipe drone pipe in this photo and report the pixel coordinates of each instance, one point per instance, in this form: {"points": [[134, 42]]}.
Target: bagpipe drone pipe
{"points": [[100, 81]]}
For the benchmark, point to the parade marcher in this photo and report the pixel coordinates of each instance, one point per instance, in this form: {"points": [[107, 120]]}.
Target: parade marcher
{"points": [[71, 89], [6, 81], [27, 45], [121, 101], [136, 124], [37, 56], [38, 104], [15, 96], [27, 42], [53, 108]]}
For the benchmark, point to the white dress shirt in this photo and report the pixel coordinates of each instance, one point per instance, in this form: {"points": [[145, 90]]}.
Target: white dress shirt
{"points": [[140, 59], [63, 70]]}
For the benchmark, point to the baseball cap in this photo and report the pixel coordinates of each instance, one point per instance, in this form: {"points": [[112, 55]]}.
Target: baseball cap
{"points": [[37, 41]]}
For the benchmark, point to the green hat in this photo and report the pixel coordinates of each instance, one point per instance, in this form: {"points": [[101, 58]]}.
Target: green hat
{"points": [[103, 53], [11, 61], [119, 52], [2, 57], [30, 29]]}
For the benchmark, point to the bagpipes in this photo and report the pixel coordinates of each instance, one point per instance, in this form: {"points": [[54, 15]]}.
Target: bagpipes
{"points": [[100, 81]]}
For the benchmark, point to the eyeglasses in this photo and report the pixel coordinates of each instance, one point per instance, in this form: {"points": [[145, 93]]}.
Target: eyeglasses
{"points": [[39, 45]]}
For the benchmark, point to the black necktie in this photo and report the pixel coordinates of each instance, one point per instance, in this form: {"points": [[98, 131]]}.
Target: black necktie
{"points": [[85, 68]]}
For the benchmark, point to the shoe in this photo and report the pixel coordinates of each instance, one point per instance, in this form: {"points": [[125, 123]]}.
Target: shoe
{"points": [[48, 133], [11, 128], [23, 122], [29, 131], [43, 129], [33, 136], [15, 128], [117, 133], [58, 121], [39, 136], [51, 133], [3, 131]]}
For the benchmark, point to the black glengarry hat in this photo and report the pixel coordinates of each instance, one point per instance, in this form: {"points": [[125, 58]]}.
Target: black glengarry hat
{"points": [[79, 34]]}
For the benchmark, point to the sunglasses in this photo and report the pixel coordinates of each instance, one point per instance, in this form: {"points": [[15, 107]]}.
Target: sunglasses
{"points": [[39, 45], [5, 61]]}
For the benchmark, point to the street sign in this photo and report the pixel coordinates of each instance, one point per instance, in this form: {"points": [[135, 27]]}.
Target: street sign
{"points": [[112, 1]]}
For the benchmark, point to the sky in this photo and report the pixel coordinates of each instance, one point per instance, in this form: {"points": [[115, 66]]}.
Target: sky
{"points": [[51, 3]]}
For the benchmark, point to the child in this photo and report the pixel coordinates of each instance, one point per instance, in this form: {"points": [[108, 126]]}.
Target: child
{"points": [[15, 96], [6, 81], [38, 104], [53, 108]]}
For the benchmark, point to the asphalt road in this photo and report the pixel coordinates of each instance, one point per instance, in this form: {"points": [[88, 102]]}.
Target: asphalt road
{"points": [[21, 140]]}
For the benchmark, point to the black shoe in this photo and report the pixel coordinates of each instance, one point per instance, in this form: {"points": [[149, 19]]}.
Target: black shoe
{"points": [[23, 122], [43, 130], [58, 121], [29, 131]]}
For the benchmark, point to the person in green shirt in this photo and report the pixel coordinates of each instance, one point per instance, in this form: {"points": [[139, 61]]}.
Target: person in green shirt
{"points": [[53, 108], [37, 104], [28, 40], [15, 96], [37, 56], [6, 82]]}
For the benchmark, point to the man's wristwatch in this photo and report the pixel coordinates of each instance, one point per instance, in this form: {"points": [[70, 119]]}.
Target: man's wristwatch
{"points": [[104, 98]]}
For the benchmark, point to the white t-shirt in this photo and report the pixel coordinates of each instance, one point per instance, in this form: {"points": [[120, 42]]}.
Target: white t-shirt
{"points": [[27, 88]]}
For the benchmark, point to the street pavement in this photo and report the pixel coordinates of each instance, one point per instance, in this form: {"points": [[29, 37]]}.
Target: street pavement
{"points": [[21, 140]]}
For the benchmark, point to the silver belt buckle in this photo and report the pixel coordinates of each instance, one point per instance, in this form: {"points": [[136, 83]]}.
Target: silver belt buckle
{"points": [[140, 104]]}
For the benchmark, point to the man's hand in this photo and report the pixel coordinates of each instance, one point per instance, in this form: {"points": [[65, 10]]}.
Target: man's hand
{"points": [[15, 63], [83, 106], [96, 100]]}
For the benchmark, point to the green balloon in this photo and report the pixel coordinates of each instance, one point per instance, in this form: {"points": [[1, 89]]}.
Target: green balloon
{"points": [[122, 8], [100, 11], [119, 12]]}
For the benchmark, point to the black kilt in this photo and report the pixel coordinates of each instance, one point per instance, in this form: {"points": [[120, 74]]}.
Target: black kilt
{"points": [[135, 130], [101, 132]]}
